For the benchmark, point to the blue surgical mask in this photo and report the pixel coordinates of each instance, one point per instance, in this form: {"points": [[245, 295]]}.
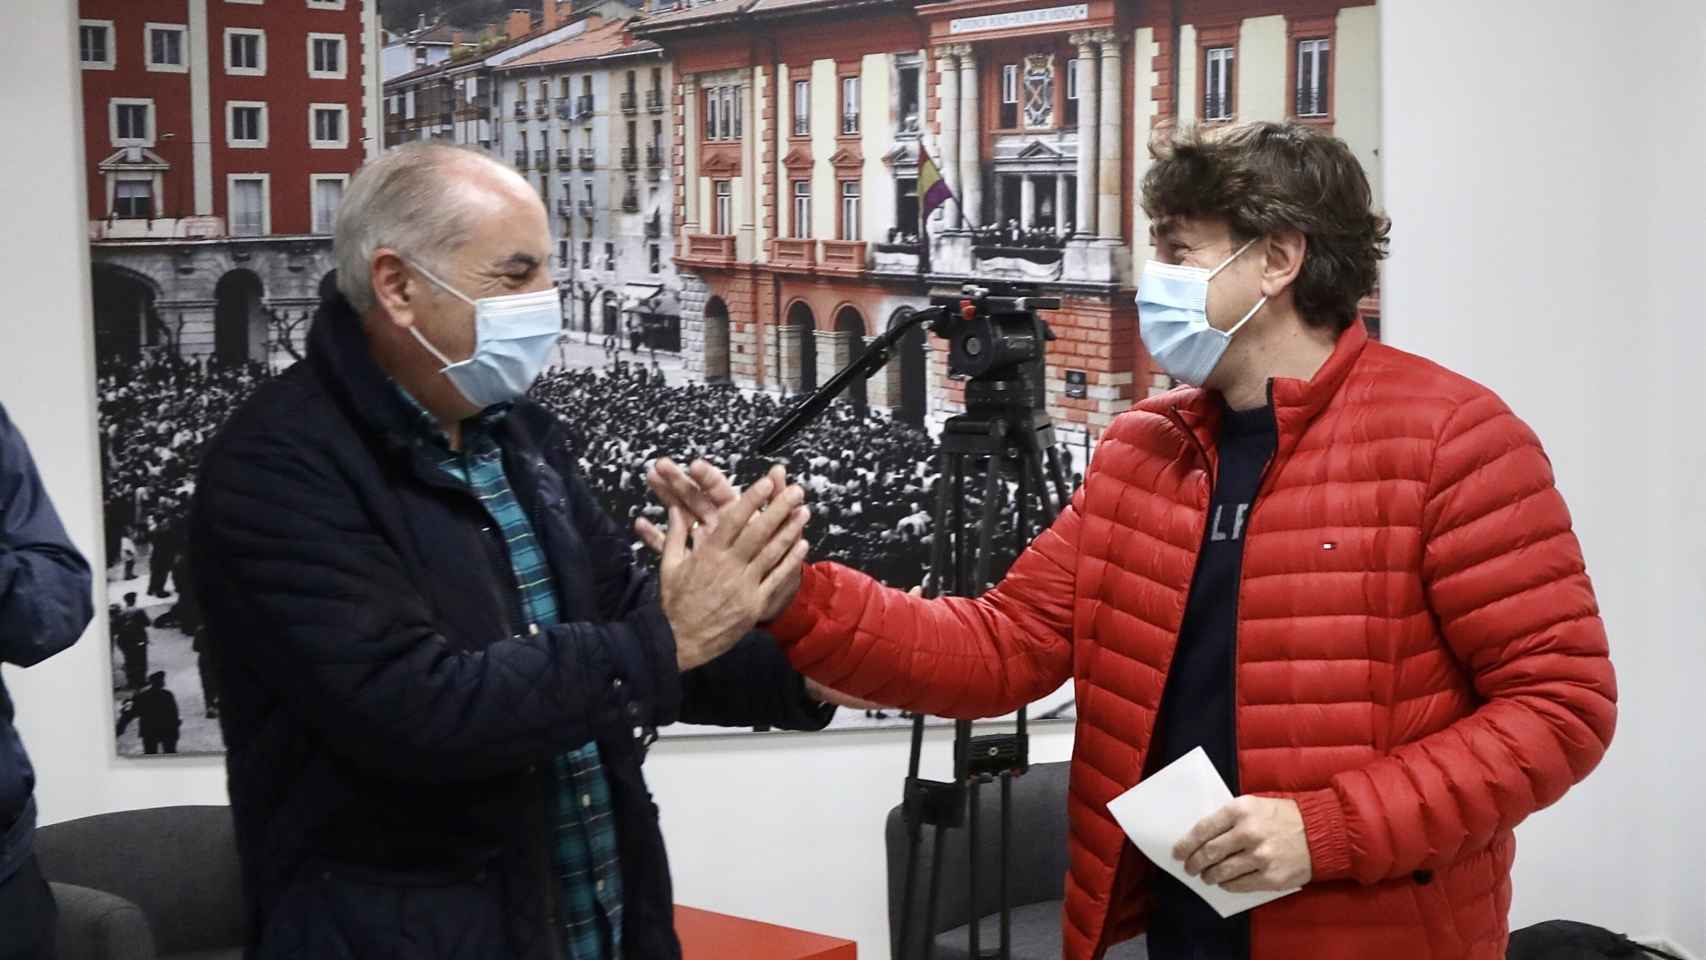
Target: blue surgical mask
{"points": [[514, 335], [1172, 318]]}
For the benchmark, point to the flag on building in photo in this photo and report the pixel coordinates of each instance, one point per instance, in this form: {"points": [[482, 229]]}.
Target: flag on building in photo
{"points": [[933, 191]]}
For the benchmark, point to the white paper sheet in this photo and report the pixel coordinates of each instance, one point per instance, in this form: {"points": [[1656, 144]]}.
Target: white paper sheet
{"points": [[1158, 812]]}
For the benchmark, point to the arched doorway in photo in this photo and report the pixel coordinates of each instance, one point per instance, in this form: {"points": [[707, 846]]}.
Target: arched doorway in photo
{"points": [[849, 321], [612, 313], [799, 348], [239, 318], [716, 349], [125, 316]]}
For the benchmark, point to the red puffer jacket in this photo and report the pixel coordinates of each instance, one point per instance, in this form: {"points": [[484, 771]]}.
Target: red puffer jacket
{"points": [[1421, 662]]}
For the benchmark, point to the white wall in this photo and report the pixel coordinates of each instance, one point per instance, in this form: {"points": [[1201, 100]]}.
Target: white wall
{"points": [[1549, 242]]}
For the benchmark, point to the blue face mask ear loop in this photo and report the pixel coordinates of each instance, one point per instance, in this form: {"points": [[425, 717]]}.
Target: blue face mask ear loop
{"points": [[423, 271], [1259, 303]]}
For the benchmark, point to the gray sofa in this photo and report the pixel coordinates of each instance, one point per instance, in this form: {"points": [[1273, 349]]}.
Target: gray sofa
{"points": [[1038, 876], [146, 884]]}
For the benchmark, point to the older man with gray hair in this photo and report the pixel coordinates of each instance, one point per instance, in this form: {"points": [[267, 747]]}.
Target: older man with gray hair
{"points": [[441, 666]]}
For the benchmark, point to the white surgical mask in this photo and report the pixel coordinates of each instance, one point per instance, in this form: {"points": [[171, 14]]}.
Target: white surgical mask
{"points": [[514, 335], [1172, 318]]}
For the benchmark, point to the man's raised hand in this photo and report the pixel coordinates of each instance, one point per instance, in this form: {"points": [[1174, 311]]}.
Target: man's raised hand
{"points": [[701, 491], [741, 567]]}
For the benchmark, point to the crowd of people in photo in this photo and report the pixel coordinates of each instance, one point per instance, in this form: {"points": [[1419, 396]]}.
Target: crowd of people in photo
{"points": [[156, 414], [1010, 234], [871, 478]]}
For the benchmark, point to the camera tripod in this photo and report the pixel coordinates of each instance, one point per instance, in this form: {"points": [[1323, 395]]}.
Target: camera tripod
{"points": [[996, 345], [1002, 429]]}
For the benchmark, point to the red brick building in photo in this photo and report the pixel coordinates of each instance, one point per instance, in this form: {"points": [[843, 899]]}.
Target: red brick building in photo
{"points": [[219, 138], [799, 126]]}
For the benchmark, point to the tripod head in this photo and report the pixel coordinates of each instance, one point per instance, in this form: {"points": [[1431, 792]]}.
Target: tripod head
{"points": [[996, 342], [992, 329]]}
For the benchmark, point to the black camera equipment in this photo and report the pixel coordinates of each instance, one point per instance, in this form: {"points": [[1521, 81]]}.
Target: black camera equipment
{"points": [[997, 344]]}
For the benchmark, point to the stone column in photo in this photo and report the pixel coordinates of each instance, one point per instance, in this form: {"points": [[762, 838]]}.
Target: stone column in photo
{"points": [[690, 141], [1084, 220], [788, 357], [1062, 212], [1027, 201], [1110, 158], [883, 389], [834, 351], [971, 140], [948, 116]]}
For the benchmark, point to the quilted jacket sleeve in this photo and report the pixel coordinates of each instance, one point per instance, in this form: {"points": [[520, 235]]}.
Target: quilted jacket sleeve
{"points": [[1505, 581], [949, 657], [302, 590], [752, 685]]}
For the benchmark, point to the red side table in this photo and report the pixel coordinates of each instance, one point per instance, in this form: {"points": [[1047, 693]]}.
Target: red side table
{"points": [[718, 936]]}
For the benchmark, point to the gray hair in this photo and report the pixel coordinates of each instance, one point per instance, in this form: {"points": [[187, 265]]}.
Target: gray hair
{"points": [[406, 199]]}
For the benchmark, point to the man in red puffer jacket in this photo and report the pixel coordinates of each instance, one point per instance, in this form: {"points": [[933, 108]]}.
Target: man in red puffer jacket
{"points": [[1340, 569]]}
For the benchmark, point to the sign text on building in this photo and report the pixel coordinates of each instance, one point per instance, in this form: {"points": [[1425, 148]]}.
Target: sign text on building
{"points": [[1070, 13]]}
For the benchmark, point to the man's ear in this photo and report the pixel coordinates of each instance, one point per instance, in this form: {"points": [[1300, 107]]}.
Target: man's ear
{"points": [[394, 286], [1282, 260]]}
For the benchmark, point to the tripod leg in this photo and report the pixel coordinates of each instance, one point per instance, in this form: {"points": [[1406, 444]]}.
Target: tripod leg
{"points": [[974, 929], [935, 896], [939, 542], [1006, 865], [1022, 533], [1034, 468], [958, 587], [914, 837], [914, 813], [1059, 478], [986, 529]]}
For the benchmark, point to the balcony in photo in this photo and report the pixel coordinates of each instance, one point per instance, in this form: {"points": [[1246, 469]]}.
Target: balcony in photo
{"points": [[793, 252], [711, 247], [847, 256]]}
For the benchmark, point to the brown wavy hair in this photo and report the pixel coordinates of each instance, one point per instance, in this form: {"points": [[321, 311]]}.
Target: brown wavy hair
{"points": [[1265, 177]]}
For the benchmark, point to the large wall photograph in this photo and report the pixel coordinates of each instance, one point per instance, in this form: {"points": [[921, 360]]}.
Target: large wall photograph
{"points": [[734, 192]]}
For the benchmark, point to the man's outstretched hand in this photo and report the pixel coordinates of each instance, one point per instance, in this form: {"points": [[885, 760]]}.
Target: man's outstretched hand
{"points": [[703, 494], [701, 490], [742, 567]]}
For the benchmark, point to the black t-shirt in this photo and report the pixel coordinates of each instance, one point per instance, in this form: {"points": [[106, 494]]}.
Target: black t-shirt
{"points": [[1197, 706]]}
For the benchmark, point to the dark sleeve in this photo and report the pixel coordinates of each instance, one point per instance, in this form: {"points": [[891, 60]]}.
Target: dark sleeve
{"points": [[45, 599], [299, 589], [624, 590], [752, 685]]}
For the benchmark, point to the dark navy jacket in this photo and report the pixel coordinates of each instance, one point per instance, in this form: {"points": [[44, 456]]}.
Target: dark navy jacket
{"points": [[44, 605], [389, 740]]}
